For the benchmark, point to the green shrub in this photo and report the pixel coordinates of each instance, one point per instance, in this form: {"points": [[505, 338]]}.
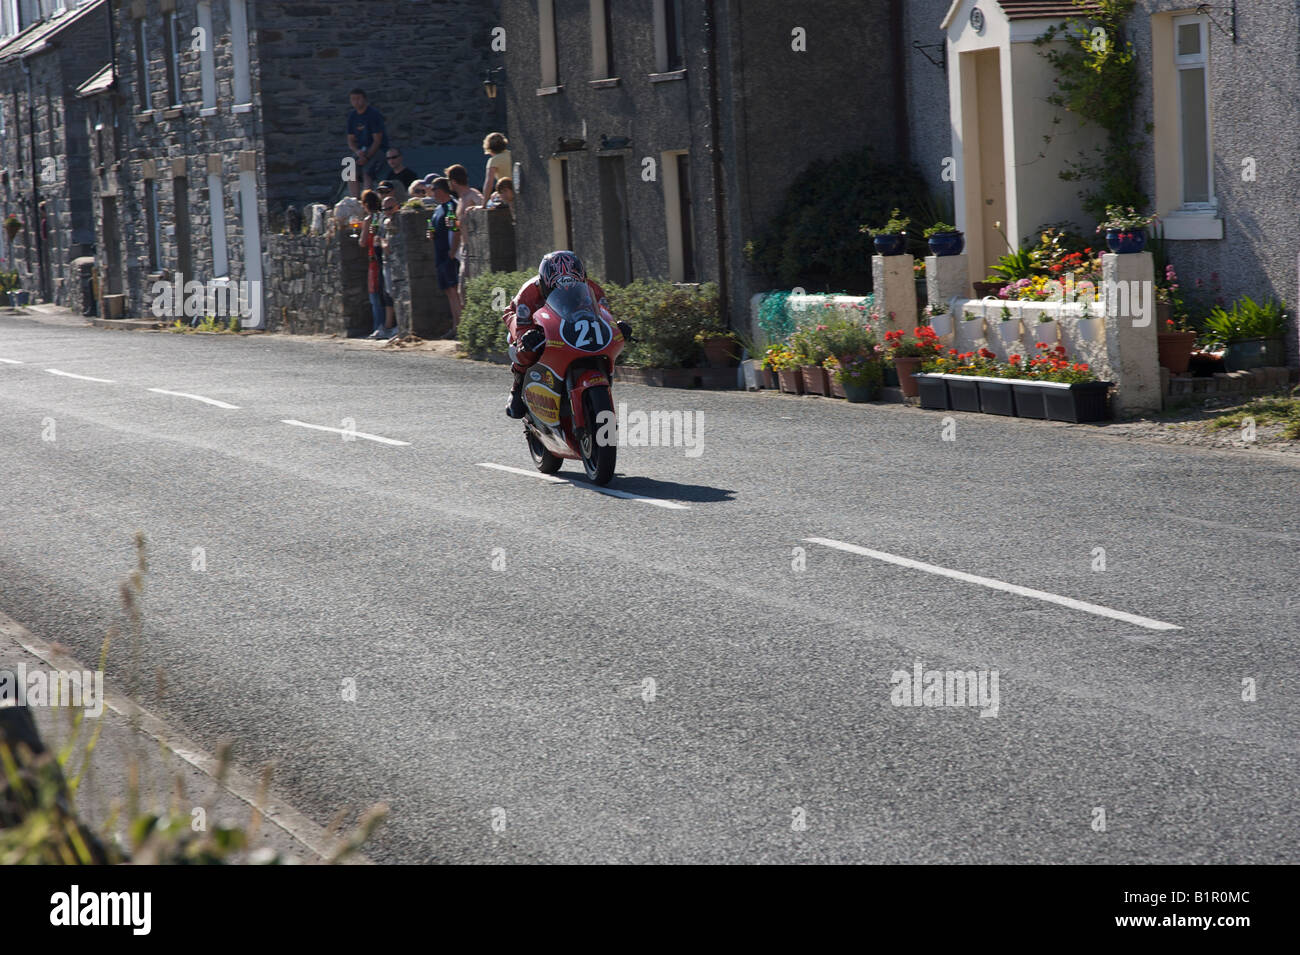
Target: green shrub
{"points": [[665, 319], [481, 330], [814, 239]]}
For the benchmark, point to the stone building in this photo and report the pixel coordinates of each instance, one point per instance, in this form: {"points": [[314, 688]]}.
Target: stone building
{"points": [[217, 115], [47, 50], [658, 137]]}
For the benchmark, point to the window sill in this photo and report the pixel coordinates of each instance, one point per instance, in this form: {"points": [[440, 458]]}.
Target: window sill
{"points": [[242, 108], [146, 116], [605, 84], [668, 77], [549, 90], [208, 111], [1188, 226], [174, 113]]}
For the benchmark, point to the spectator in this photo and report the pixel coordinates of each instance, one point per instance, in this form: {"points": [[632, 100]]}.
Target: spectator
{"points": [[420, 190], [401, 172], [369, 240], [448, 268], [366, 137], [391, 187], [388, 225], [504, 195], [467, 198], [498, 164]]}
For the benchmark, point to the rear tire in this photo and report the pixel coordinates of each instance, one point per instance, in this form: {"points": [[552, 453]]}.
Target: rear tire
{"points": [[545, 461], [597, 459]]}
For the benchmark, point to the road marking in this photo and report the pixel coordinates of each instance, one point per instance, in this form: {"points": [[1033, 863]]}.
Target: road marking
{"points": [[274, 808], [68, 374], [532, 474], [586, 486], [10, 361], [996, 584], [207, 401], [345, 431]]}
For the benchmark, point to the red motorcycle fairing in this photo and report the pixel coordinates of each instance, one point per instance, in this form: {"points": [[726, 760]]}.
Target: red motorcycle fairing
{"points": [[582, 344]]}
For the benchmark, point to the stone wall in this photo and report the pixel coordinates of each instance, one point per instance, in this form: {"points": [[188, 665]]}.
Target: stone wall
{"points": [[306, 282]]}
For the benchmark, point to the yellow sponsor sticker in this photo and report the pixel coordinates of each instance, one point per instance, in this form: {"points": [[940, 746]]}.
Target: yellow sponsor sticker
{"points": [[544, 403]]}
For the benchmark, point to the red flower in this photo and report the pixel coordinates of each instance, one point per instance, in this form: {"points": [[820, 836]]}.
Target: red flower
{"points": [[1014, 359], [985, 353], [1040, 345]]}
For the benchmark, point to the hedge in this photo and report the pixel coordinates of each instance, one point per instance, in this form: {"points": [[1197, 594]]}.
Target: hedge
{"points": [[664, 317]]}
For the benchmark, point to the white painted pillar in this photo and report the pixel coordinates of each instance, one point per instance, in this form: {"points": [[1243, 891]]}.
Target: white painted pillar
{"points": [[1128, 288], [895, 291]]}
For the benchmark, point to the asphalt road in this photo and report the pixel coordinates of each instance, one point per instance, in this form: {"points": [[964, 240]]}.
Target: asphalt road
{"points": [[501, 631]]}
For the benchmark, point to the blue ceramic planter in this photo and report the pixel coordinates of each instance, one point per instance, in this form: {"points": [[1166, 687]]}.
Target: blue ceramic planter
{"points": [[1124, 243], [891, 244], [947, 243]]}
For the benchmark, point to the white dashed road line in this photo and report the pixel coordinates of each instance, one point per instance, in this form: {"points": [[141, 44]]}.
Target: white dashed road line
{"points": [[10, 361], [611, 492], [68, 374], [995, 584], [345, 432], [207, 401]]}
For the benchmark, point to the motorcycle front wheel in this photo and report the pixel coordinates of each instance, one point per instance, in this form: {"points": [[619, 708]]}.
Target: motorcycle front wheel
{"points": [[597, 458], [545, 461]]}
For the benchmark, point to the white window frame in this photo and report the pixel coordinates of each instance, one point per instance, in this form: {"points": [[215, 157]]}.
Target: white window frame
{"points": [[207, 57], [662, 64], [141, 29], [1199, 61], [171, 25], [548, 45], [9, 19], [217, 210], [242, 83]]}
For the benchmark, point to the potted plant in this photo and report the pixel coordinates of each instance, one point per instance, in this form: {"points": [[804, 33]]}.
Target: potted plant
{"points": [[1250, 333], [945, 239], [13, 225], [832, 368], [720, 347], [771, 358], [1004, 334], [909, 352], [891, 238], [939, 318], [809, 345], [1125, 229], [1175, 338], [781, 359], [1051, 385], [860, 376]]}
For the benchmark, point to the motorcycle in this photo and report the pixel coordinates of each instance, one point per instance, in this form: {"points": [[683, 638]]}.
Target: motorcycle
{"points": [[567, 391]]}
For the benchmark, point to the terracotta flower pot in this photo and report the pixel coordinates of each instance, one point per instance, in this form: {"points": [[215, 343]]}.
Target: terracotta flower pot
{"points": [[907, 367], [837, 387], [985, 289], [1175, 350], [791, 381], [718, 351], [815, 380]]}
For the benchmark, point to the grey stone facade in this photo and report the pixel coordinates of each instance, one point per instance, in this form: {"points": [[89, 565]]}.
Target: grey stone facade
{"points": [[44, 148], [778, 108], [163, 167]]}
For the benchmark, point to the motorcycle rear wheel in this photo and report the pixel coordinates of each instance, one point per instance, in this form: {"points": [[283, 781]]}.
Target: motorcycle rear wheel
{"points": [[597, 459], [545, 461]]}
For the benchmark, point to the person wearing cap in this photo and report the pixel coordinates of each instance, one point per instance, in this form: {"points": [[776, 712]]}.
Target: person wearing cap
{"points": [[448, 268], [392, 187]]}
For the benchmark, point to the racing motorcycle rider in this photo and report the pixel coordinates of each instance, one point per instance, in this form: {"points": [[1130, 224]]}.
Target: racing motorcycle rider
{"points": [[527, 339]]}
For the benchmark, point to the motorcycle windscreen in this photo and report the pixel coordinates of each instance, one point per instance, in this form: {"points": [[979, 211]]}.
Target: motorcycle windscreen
{"points": [[581, 325]]}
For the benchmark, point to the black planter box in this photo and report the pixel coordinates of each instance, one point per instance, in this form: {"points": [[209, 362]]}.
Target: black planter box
{"points": [[933, 390], [1078, 403], [996, 397], [1030, 401], [963, 393]]}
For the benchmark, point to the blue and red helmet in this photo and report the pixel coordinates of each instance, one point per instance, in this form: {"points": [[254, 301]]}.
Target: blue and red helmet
{"points": [[560, 268]]}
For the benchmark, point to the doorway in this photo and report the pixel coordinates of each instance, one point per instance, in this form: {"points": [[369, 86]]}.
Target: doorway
{"points": [[984, 158], [614, 222], [252, 246]]}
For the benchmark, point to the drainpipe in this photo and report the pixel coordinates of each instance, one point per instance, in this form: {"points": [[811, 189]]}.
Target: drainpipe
{"points": [[902, 139], [719, 184], [34, 218]]}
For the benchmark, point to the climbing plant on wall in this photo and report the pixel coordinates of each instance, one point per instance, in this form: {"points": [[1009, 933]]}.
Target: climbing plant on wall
{"points": [[1097, 80]]}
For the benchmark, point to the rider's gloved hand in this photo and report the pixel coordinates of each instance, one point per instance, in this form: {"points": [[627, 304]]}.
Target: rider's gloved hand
{"points": [[533, 340], [626, 329]]}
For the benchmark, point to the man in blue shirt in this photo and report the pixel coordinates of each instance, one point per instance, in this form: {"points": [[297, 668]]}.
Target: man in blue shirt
{"points": [[448, 268], [366, 140]]}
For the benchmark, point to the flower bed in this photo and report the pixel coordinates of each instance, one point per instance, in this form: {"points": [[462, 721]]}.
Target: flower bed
{"points": [[1047, 385]]}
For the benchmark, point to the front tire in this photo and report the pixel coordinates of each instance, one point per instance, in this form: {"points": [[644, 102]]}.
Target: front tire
{"points": [[597, 459], [545, 461]]}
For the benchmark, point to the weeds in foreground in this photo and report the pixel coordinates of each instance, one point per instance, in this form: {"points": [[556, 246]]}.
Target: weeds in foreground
{"points": [[39, 823], [1265, 411]]}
